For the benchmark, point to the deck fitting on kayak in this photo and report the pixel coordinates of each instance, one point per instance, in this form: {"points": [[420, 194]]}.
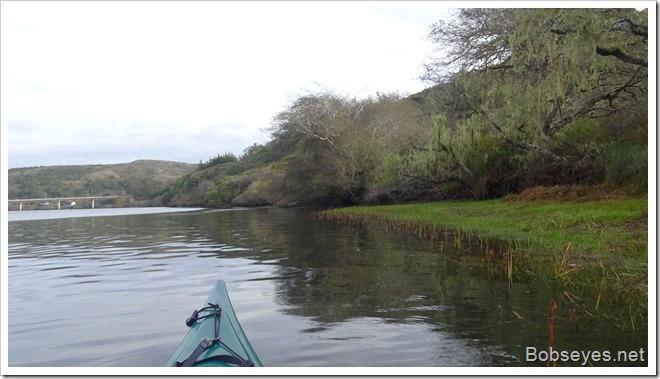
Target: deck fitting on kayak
{"points": [[203, 345]]}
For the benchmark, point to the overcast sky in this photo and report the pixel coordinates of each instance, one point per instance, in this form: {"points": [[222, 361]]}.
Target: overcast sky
{"points": [[115, 81]]}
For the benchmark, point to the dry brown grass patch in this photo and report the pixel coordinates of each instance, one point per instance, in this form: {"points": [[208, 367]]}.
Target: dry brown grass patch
{"points": [[570, 193]]}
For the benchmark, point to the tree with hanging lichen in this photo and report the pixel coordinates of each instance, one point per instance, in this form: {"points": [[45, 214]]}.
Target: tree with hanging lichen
{"points": [[515, 86], [527, 74]]}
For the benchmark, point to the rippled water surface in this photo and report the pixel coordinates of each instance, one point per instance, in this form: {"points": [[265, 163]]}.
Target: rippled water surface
{"points": [[106, 288]]}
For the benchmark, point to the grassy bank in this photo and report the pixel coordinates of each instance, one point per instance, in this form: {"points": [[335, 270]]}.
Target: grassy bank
{"points": [[595, 250], [607, 228]]}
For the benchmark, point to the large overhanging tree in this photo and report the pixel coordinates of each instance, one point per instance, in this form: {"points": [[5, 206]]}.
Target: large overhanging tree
{"points": [[526, 74]]}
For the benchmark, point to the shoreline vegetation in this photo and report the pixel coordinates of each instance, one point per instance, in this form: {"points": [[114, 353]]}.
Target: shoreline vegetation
{"points": [[590, 244], [543, 109]]}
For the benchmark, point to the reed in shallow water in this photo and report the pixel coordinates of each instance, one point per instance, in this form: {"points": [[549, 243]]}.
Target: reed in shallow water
{"points": [[594, 250]]}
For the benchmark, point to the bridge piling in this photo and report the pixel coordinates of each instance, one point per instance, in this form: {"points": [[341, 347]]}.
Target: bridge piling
{"points": [[61, 199]]}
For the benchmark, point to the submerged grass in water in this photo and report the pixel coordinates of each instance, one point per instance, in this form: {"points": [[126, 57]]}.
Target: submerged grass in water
{"points": [[596, 252], [600, 227]]}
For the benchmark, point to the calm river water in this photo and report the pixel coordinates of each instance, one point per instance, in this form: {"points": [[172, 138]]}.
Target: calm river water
{"points": [[105, 288]]}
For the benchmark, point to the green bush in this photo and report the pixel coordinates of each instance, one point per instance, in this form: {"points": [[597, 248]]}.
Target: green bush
{"points": [[626, 163], [224, 192], [236, 169], [218, 159], [572, 138], [495, 165]]}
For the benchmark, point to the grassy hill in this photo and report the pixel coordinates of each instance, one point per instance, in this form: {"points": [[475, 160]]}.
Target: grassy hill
{"points": [[141, 179]]}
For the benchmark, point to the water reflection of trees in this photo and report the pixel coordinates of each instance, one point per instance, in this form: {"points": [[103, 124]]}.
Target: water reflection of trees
{"points": [[331, 273]]}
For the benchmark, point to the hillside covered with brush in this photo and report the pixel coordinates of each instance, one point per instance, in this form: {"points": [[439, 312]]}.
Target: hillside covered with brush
{"points": [[520, 98]]}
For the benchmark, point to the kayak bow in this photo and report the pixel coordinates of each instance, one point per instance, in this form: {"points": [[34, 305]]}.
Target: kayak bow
{"points": [[215, 337]]}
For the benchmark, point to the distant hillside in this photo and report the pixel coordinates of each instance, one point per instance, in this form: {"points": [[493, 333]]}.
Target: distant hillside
{"points": [[141, 179]]}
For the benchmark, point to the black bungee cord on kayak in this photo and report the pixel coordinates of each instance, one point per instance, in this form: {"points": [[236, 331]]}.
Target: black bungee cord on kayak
{"points": [[208, 342]]}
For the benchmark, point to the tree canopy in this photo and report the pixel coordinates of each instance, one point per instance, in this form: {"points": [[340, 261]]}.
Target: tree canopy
{"points": [[528, 73], [529, 78]]}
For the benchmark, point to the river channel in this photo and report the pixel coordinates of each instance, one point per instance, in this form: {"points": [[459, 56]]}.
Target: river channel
{"points": [[103, 289]]}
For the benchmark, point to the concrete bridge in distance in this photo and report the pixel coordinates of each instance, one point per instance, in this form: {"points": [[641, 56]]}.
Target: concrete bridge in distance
{"points": [[59, 200]]}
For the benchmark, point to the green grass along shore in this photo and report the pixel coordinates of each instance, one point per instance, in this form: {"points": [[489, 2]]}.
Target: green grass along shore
{"points": [[596, 248], [604, 228]]}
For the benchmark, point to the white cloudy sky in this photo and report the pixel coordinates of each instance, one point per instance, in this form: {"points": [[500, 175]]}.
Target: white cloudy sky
{"points": [[112, 82]]}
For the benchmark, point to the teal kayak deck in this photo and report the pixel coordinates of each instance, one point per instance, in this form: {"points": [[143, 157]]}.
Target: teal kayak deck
{"points": [[232, 340]]}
